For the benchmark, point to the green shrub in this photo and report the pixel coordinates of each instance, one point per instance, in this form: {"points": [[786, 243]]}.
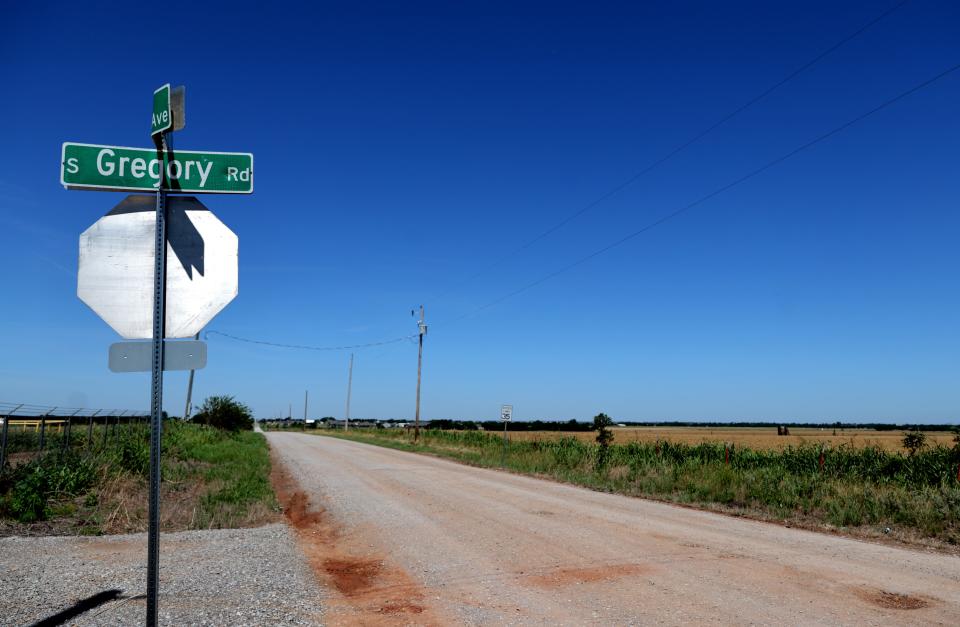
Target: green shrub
{"points": [[223, 412]]}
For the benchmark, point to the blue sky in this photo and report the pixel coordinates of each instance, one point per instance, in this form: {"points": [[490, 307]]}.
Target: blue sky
{"points": [[400, 150]]}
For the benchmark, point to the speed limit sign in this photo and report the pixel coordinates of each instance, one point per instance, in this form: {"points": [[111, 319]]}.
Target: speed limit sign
{"points": [[506, 413]]}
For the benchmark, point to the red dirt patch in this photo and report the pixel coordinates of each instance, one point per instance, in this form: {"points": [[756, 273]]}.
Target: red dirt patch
{"points": [[366, 589], [893, 600], [351, 576], [569, 576], [296, 509], [401, 608]]}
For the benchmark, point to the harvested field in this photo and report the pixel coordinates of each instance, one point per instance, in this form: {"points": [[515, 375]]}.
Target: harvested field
{"points": [[757, 438]]}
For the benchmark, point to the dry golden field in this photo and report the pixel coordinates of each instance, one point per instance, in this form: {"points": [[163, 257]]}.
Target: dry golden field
{"points": [[752, 437]]}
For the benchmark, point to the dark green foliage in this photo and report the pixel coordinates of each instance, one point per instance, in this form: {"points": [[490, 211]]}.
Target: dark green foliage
{"points": [[30, 486], [223, 412], [227, 470], [914, 440], [131, 452], [601, 423]]}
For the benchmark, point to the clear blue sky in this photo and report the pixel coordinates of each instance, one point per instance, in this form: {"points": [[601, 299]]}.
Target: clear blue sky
{"points": [[402, 148]]}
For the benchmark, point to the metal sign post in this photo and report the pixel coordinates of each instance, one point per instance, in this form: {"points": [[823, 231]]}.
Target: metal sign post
{"points": [[506, 415], [156, 397], [121, 258]]}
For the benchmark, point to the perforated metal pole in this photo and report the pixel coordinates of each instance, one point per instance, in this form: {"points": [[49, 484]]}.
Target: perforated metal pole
{"points": [[156, 394]]}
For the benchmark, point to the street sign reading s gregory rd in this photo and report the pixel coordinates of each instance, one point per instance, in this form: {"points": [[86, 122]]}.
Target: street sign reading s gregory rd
{"points": [[118, 168]]}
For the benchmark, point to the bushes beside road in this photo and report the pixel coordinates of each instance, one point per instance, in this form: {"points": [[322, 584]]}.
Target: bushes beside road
{"points": [[212, 478], [867, 488]]}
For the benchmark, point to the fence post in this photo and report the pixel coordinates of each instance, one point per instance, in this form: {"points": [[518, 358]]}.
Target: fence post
{"points": [[66, 435], [117, 423], [106, 429], [3, 439], [43, 428], [90, 428]]}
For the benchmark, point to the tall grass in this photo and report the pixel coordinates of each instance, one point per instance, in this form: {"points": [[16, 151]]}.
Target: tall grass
{"points": [[212, 478], [843, 486]]}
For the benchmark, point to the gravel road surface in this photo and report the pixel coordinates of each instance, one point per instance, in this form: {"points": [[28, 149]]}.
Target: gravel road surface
{"points": [[411, 539], [216, 577]]}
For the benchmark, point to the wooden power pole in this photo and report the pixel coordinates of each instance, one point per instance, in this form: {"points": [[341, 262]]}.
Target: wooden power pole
{"points": [[421, 325], [346, 423]]}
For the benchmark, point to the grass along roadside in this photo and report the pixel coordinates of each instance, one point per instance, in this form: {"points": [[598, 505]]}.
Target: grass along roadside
{"points": [[211, 479], [866, 492]]}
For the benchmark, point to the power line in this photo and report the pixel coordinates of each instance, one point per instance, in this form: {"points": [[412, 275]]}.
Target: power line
{"points": [[655, 164], [714, 193], [307, 347]]}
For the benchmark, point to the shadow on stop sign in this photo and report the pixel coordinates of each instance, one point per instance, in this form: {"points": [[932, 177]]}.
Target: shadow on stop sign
{"points": [[115, 276]]}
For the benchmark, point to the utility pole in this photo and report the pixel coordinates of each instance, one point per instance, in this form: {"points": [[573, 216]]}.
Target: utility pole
{"points": [[305, 393], [289, 411], [346, 423], [187, 408], [421, 325]]}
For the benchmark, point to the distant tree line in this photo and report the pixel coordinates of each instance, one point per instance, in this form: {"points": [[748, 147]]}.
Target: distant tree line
{"points": [[574, 425], [515, 425]]}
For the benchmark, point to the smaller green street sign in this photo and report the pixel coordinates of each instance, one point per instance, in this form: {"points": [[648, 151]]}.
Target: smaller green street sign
{"points": [[162, 119], [118, 168]]}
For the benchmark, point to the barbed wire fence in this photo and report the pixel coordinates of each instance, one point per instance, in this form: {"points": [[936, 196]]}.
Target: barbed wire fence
{"points": [[28, 431]]}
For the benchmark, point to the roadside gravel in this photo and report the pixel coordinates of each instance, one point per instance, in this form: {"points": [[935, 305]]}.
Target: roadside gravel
{"points": [[215, 577]]}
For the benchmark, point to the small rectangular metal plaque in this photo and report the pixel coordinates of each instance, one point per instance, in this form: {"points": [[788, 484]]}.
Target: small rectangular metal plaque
{"points": [[137, 356]]}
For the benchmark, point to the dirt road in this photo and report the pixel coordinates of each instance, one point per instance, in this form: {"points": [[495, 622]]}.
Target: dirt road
{"points": [[406, 538]]}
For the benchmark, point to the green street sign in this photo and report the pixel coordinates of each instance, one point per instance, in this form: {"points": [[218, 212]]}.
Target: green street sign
{"points": [[118, 168], [162, 119]]}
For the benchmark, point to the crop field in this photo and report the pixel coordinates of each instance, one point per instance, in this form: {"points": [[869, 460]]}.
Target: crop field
{"points": [[757, 438], [914, 495]]}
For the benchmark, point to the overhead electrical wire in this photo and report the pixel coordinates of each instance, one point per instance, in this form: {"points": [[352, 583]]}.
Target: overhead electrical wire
{"points": [[308, 347], [742, 179], [657, 163], [629, 236], [612, 192]]}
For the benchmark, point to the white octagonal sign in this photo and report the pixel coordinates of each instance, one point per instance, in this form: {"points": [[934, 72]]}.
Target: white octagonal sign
{"points": [[115, 278]]}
